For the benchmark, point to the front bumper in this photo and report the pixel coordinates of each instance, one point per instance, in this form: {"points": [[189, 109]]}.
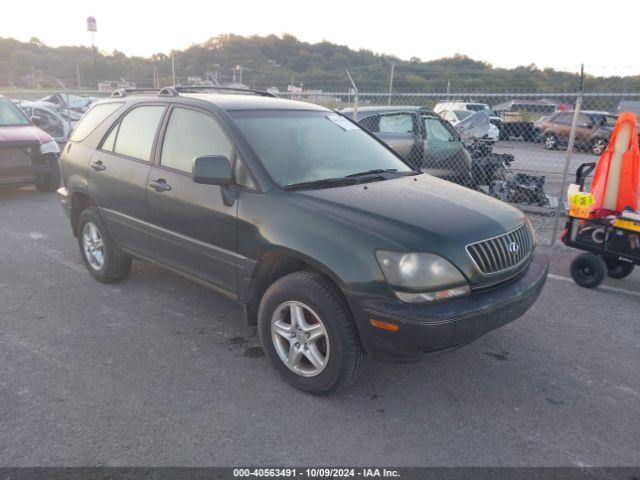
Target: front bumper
{"points": [[429, 328]]}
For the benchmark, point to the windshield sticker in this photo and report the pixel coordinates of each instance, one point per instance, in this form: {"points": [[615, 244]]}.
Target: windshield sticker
{"points": [[342, 122]]}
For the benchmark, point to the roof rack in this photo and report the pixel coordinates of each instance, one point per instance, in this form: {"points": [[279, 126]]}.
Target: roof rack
{"points": [[214, 88], [123, 92], [175, 90]]}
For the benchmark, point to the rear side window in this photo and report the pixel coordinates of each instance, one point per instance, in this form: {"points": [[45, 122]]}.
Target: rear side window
{"points": [[192, 134], [370, 123], [134, 135], [396, 124], [94, 117]]}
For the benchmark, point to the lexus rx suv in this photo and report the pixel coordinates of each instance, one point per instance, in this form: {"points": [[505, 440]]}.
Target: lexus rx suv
{"points": [[335, 247]]}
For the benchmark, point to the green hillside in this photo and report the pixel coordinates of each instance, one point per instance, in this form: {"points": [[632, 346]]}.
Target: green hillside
{"points": [[274, 61]]}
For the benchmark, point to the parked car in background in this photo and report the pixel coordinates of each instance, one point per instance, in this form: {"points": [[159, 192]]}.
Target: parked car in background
{"points": [[57, 123], [456, 116], [426, 141], [593, 130], [520, 117], [335, 247], [456, 105], [28, 155], [70, 101]]}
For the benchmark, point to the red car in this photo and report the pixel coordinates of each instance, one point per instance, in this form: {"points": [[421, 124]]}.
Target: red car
{"points": [[27, 154]]}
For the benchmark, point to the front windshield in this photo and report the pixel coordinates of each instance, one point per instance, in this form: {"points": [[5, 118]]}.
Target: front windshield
{"points": [[11, 115], [298, 146]]}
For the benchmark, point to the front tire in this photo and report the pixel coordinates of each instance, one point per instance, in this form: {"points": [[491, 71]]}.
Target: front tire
{"points": [[307, 333], [47, 182], [550, 141], [598, 146], [102, 257], [588, 270]]}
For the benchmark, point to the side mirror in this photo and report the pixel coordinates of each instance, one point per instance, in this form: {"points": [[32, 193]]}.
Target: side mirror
{"points": [[212, 170], [37, 121]]}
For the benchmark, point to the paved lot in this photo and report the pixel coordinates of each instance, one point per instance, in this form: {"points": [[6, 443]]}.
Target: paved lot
{"points": [[160, 371], [535, 159]]}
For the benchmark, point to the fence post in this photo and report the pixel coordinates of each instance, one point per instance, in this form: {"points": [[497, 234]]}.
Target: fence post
{"points": [[567, 162]]}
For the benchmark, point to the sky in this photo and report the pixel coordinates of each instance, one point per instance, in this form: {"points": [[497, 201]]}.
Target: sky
{"points": [[560, 34]]}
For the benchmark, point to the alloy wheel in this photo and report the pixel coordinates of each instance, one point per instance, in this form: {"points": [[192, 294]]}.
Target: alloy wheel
{"points": [[93, 246], [300, 338]]}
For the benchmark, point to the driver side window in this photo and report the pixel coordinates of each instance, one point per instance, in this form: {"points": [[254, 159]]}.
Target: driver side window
{"points": [[191, 134]]}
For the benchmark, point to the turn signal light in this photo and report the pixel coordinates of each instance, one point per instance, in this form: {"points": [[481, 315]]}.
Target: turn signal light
{"points": [[391, 327]]}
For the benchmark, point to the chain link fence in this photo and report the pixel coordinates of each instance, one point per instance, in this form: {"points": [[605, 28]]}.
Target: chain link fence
{"points": [[513, 146]]}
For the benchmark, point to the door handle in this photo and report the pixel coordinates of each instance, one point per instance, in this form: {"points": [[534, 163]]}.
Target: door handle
{"points": [[159, 185], [97, 166]]}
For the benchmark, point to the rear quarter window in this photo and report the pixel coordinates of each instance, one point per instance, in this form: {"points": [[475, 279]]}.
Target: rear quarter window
{"points": [[94, 117]]}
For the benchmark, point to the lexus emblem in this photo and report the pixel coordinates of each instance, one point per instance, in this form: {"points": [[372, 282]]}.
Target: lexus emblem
{"points": [[514, 247]]}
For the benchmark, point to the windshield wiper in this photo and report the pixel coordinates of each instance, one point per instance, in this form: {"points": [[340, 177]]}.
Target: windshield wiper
{"points": [[378, 171], [372, 172], [325, 182]]}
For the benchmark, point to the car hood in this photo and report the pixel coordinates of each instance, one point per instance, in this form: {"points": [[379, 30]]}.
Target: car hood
{"points": [[421, 213], [22, 135]]}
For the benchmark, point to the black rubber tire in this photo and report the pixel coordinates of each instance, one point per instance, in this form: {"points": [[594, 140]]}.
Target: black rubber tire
{"points": [[47, 182], [618, 269], [550, 141], [598, 146], [588, 270], [346, 358], [117, 264]]}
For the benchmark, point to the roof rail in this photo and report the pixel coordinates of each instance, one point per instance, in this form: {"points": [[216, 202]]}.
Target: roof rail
{"points": [[123, 92], [216, 88]]}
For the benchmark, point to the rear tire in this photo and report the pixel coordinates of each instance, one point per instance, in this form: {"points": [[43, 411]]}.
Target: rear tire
{"points": [[102, 257], [588, 270], [47, 182], [550, 141], [307, 333], [618, 269]]}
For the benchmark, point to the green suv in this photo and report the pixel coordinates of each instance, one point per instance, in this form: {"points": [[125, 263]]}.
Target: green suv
{"points": [[335, 247]]}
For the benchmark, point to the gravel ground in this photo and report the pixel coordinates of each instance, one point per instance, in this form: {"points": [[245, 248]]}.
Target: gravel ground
{"points": [[157, 370]]}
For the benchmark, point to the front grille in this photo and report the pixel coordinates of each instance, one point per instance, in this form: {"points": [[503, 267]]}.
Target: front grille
{"points": [[503, 252]]}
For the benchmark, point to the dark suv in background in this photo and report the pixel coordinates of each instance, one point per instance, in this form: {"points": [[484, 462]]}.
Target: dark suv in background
{"points": [[28, 156], [592, 133], [335, 247]]}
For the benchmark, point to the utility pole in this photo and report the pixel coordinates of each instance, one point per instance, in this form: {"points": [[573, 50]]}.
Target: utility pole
{"points": [[92, 27], [393, 68], [78, 75], [173, 67], [355, 97], [448, 88]]}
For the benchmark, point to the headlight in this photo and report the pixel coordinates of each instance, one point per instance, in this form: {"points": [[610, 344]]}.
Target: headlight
{"points": [[426, 276], [49, 147]]}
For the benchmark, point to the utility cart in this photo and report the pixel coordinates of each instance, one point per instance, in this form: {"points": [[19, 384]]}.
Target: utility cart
{"points": [[611, 244]]}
